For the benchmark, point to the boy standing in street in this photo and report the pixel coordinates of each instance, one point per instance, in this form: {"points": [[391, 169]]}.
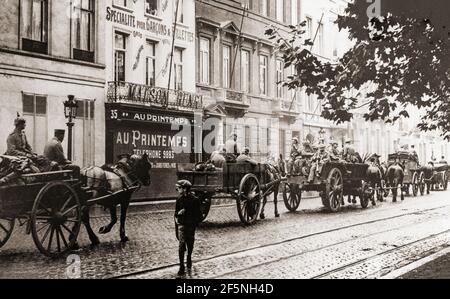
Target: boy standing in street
{"points": [[187, 217]]}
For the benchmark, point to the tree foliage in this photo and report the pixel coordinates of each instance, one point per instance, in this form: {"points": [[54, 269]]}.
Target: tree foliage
{"points": [[403, 55]]}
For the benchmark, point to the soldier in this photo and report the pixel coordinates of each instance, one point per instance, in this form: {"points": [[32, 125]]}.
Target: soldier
{"points": [[245, 157], [54, 152], [17, 144], [319, 159], [413, 154], [350, 155], [295, 154], [218, 157], [335, 154], [232, 147], [187, 217]]}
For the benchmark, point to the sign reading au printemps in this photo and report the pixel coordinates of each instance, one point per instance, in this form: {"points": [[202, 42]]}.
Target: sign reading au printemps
{"points": [[149, 25]]}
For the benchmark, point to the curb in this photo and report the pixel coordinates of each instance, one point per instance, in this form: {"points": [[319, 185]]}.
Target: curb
{"points": [[417, 264]]}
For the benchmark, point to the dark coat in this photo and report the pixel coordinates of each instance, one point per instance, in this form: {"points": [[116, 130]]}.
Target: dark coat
{"points": [[191, 206]]}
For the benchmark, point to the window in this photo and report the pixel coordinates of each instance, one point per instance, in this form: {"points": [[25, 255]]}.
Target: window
{"points": [[204, 60], [83, 30], [280, 10], [309, 28], [150, 66], [151, 7], [248, 136], [282, 147], [180, 16], [265, 7], [178, 66], [119, 57], [280, 78], [33, 24], [320, 39], [263, 60], [226, 66], [35, 113], [122, 3], [245, 71], [294, 14]]}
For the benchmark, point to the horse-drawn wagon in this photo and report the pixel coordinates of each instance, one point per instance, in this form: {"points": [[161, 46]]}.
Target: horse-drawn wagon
{"points": [[336, 180], [405, 173], [53, 205], [440, 176], [248, 184]]}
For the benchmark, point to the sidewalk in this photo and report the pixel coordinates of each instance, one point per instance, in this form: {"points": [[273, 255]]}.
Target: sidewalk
{"points": [[436, 269]]}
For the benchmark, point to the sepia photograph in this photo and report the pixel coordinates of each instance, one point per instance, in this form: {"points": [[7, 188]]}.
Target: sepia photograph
{"points": [[219, 140]]}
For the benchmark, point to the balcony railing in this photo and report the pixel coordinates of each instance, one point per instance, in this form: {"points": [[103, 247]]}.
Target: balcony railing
{"points": [[124, 92]]}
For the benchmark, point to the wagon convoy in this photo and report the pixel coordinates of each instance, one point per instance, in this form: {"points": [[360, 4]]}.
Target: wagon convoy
{"points": [[53, 205]]}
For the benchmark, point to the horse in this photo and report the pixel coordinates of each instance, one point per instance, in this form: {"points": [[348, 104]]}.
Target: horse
{"points": [[375, 175], [394, 180], [429, 173], [274, 172], [127, 174]]}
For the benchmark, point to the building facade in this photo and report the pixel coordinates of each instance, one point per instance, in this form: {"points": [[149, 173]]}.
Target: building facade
{"points": [[49, 50], [151, 105]]}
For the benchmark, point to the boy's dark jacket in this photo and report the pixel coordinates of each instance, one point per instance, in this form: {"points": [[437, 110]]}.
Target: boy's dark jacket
{"points": [[191, 206]]}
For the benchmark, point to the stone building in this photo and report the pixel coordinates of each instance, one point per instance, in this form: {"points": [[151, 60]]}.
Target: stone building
{"points": [[49, 50]]}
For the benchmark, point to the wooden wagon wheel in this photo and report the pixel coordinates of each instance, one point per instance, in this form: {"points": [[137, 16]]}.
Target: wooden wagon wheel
{"points": [[292, 195], [205, 205], [249, 199], [365, 195], [6, 229], [422, 183], [334, 191], [56, 219], [415, 184]]}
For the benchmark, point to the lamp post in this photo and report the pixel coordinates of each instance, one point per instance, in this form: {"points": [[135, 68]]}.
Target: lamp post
{"points": [[70, 112]]}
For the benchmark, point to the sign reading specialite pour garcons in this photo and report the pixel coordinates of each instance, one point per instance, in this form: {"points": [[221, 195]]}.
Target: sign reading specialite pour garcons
{"points": [[158, 28]]}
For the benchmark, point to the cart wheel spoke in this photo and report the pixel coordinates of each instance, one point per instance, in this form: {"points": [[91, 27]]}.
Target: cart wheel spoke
{"points": [[50, 240], [69, 210], [42, 227], [63, 238], [3, 228], [58, 242], [66, 203]]}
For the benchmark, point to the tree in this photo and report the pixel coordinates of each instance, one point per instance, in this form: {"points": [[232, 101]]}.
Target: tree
{"points": [[403, 55]]}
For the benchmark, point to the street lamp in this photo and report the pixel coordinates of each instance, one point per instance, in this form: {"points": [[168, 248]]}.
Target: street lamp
{"points": [[70, 112]]}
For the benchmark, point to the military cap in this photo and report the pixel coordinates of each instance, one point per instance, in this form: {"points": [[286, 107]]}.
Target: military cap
{"points": [[321, 146], [19, 120], [348, 140], [333, 142], [295, 139]]}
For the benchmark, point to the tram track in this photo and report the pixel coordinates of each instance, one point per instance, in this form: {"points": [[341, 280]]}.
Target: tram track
{"points": [[288, 240], [361, 261]]}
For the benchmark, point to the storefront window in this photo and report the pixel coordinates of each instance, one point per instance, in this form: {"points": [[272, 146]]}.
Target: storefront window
{"points": [[204, 60], [33, 24], [178, 65], [150, 64], [151, 7], [120, 55]]}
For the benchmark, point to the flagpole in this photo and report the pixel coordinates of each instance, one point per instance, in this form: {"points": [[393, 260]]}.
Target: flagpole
{"points": [[173, 47], [239, 43]]}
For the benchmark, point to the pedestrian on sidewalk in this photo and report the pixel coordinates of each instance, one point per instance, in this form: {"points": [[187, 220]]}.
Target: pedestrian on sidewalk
{"points": [[187, 217]]}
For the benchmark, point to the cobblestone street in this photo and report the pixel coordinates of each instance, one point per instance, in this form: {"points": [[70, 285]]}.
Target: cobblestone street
{"points": [[310, 243]]}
